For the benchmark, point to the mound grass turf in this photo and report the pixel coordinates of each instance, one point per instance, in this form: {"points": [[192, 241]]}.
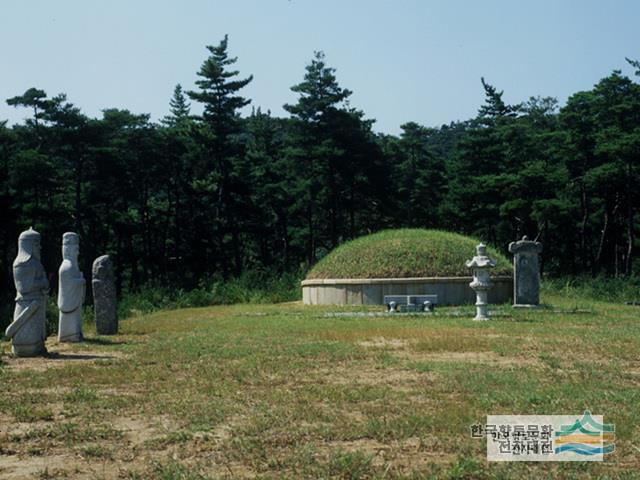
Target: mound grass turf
{"points": [[405, 253]]}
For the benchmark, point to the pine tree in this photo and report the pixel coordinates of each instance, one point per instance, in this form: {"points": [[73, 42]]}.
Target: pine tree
{"points": [[220, 180], [495, 105], [319, 92], [179, 107], [337, 160], [33, 98], [217, 92], [420, 176]]}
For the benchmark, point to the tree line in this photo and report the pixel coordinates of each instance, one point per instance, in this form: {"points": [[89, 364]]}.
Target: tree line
{"points": [[216, 194]]}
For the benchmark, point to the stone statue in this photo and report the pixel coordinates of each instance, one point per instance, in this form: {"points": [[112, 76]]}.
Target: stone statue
{"points": [[29, 327], [481, 283], [104, 296], [71, 290], [526, 275]]}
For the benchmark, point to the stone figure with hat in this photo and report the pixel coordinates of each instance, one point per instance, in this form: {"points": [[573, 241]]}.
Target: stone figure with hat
{"points": [[28, 330], [71, 290]]}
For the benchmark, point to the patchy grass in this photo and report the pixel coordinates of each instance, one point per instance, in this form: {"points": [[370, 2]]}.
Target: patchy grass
{"points": [[286, 391], [618, 289], [404, 253]]}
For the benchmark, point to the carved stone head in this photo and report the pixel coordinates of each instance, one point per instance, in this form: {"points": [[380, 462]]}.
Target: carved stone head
{"points": [[28, 246], [102, 268], [70, 246]]}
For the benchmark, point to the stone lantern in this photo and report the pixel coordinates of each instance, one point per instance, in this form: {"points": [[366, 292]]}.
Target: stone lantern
{"points": [[481, 283]]}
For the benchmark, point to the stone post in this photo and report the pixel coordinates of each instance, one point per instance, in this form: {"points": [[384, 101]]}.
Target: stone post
{"points": [[526, 272], [104, 296], [481, 283]]}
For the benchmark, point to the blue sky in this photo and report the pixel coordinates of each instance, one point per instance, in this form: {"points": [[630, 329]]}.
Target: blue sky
{"points": [[405, 60]]}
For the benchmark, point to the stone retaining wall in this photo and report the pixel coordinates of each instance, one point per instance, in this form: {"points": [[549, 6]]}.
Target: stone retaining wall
{"points": [[371, 291]]}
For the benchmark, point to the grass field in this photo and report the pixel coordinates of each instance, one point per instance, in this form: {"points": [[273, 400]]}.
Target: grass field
{"points": [[286, 391]]}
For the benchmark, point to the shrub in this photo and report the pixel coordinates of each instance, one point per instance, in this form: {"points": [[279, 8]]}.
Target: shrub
{"points": [[250, 287], [610, 289]]}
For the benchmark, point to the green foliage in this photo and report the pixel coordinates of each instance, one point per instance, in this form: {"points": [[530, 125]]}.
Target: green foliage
{"points": [[349, 465], [52, 315], [217, 86], [29, 413], [339, 184], [175, 471], [405, 253], [604, 289], [219, 191], [466, 468], [250, 287], [495, 106], [179, 107], [196, 197]]}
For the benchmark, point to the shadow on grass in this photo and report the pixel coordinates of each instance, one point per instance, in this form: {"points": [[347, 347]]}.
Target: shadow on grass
{"points": [[103, 341], [77, 356], [523, 320], [545, 308]]}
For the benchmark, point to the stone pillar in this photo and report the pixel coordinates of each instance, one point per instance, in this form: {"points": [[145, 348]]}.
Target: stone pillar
{"points": [[71, 290], [526, 275], [104, 296], [481, 283], [28, 330]]}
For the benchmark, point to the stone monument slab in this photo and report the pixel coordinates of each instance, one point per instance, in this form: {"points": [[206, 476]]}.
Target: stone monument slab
{"points": [[526, 275], [104, 296]]}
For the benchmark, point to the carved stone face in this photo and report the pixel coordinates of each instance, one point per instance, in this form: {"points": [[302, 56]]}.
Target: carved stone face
{"points": [[70, 252], [30, 246], [102, 268], [35, 249]]}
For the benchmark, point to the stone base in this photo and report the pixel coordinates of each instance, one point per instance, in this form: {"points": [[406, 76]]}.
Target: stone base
{"points": [[371, 291], [525, 306], [107, 329], [74, 338], [36, 350]]}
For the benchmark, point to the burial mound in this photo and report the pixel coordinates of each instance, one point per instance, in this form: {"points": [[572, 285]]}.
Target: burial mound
{"points": [[399, 262]]}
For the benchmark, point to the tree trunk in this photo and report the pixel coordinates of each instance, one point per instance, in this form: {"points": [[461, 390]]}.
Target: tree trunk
{"points": [[78, 196], [333, 205], [628, 259], [311, 246], [603, 236], [584, 205]]}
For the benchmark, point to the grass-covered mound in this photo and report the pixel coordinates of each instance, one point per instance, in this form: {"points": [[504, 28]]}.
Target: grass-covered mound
{"points": [[405, 253]]}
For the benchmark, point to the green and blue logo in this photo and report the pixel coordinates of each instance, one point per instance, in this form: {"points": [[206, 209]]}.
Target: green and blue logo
{"points": [[586, 437]]}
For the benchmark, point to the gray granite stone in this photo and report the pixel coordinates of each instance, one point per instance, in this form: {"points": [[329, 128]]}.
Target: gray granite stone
{"points": [[450, 290], [29, 327], [71, 290], [526, 276], [104, 296], [481, 283]]}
